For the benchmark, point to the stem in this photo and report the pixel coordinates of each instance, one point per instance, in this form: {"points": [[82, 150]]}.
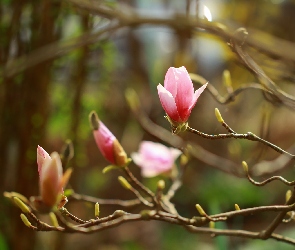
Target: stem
{"points": [[249, 136]]}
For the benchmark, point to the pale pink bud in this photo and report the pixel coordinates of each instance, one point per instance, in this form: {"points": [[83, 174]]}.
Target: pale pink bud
{"points": [[154, 158], [107, 143], [178, 96], [42, 156], [51, 180]]}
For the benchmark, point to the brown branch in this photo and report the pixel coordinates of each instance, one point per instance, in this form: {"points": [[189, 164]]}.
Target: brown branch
{"points": [[280, 95], [279, 218], [249, 136], [86, 198], [273, 178], [119, 217], [231, 96]]}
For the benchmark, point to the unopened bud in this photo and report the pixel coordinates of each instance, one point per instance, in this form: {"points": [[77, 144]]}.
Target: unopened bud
{"points": [[124, 183], [288, 195], [53, 219], [66, 177], [119, 154], [218, 116], [109, 168], [237, 207], [119, 213], [68, 192], [25, 220], [94, 121], [245, 167], [200, 210], [67, 151], [161, 185], [226, 77], [96, 210], [183, 160], [212, 224], [10, 195], [21, 205]]}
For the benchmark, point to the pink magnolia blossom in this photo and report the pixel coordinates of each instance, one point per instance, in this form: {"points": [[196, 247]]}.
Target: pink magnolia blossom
{"points": [[154, 158], [107, 143], [42, 156], [104, 140], [178, 96], [51, 179]]}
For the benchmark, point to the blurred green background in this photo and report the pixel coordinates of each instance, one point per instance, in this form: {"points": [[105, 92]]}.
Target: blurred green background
{"points": [[51, 79]]}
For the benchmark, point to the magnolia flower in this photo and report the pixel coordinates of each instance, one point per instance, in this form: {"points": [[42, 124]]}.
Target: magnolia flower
{"points": [[51, 180], [177, 96], [42, 156], [107, 143], [154, 158]]}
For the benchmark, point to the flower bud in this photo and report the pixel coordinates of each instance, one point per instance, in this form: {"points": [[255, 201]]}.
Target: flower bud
{"points": [[218, 116], [96, 210], [124, 183], [161, 185], [107, 143], [21, 205], [178, 96], [25, 220], [52, 180], [245, 167], [53, 219], [200, 210], [119, 154], [226, 77], [288, 195], [212, 224], [67, 152]]}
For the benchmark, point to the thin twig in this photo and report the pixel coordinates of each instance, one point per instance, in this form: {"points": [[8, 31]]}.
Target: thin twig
{"points": [[249, 136], [278, 219], [123, 203], [273, 178]]}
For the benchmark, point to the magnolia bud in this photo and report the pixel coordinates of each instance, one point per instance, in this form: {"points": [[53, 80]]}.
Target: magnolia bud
{"points": [[53, 219], [21, 205], [161, 185], [119, 154], [124, 183], [226, 77], [25, 220], [200, 210], [96, 210], [218, 116], [245, 167]]}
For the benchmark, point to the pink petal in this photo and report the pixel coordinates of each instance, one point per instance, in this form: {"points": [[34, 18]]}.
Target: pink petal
{"points": [[51, 176], [148, 173], [137, 158], [175, 153], [154, 158], [197, 94], [185, 93], [170, 81], [42, 155], [168, 103], [104, 140]]}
